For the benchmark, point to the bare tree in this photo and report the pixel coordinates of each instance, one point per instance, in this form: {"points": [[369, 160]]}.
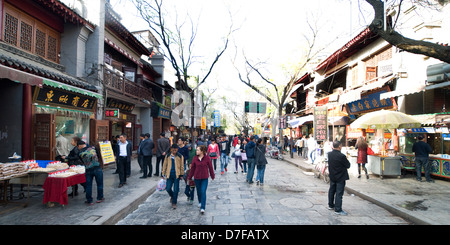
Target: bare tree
{"points": [[387, 31], [282, 91], [180, 51]]}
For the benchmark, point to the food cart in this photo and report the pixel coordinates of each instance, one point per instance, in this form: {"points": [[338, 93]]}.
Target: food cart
{"points": [[384, 162]]}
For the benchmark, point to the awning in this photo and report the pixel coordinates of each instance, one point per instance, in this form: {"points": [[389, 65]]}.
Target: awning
{"points": [[71, 88], [405, 86], [300, 121], [355, 94], [20, 76]]}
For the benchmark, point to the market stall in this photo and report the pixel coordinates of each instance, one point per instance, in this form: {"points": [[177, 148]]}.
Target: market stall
{"points": [[55, 177], [385, 161]]}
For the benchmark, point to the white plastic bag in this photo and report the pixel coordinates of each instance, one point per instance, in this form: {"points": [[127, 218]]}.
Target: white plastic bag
{"points": [[161, 186]]}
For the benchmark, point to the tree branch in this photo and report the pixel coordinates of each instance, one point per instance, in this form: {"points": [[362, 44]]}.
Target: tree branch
{"points": [[426, 48]]}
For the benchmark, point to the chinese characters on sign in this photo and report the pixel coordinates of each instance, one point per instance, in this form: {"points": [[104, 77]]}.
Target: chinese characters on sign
{"points": [[123, 106], [67, 99], [114, 113], [320, 123], [370, 102]]}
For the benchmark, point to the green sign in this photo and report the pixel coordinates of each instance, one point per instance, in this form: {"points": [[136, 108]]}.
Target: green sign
{"points": [[255, 107]]}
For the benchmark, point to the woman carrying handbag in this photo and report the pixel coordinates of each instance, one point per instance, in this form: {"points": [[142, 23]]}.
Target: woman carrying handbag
{"points": [[213, 152]]}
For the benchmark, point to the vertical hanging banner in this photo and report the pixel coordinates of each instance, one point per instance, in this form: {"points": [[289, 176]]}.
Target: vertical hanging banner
{"points": [[203, 126], [320, 123], [216, 119]]}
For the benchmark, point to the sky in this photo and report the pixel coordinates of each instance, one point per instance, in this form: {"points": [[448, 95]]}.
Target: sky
{"points": [[268, 32]]}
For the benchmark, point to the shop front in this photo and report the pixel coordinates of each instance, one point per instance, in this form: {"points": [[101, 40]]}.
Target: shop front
{"points": [[60, 112], [122, 120], [162, 121], [383, 141], [436, 134]]}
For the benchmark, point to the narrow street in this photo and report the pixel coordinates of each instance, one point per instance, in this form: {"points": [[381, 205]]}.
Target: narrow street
{"points": [[289, 196]]}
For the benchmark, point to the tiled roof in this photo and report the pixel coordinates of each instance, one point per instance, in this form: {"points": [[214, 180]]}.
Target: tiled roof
{"points": [[18, 62]]}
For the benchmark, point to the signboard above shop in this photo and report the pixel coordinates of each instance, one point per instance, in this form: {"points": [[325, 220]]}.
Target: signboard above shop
{"points": [[371, 102], [63, 98]]}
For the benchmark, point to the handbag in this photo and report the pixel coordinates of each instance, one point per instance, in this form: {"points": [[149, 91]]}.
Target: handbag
{"points": [[213, 154], [244, 156]]}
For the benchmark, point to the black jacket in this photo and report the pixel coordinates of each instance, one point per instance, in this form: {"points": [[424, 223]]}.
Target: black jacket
{"points": [[337, 166]]}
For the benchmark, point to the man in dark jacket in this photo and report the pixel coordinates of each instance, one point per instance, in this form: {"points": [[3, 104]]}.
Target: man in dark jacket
{"points": [[337, 166], [422, 151], [250, 148], [124, 159], [146, 149]]}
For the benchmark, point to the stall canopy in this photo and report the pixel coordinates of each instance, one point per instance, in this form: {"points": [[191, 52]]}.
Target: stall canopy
{"points": [[300, 121], [383, 119]]}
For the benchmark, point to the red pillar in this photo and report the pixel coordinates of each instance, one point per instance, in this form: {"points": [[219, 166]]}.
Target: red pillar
{"points": [[26, 122]]}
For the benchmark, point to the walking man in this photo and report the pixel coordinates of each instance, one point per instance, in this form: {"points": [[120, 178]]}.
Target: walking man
{"points": [[147, 154], [123, 159], [250, 150], [422, 150], [337, 166], [162, 148], [173, 171]]}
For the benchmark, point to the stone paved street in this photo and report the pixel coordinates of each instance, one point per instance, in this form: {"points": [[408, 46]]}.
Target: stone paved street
{"points": [[289, 196]]}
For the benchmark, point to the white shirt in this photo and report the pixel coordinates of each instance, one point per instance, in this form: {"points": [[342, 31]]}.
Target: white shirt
{"points": [[237, 150], [123, 148]]}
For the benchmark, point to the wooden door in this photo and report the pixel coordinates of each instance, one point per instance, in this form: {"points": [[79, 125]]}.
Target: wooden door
{"points": [[99, 131], [44, 137]]}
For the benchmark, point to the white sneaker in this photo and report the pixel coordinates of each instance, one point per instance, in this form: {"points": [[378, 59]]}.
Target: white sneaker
{"points": [[202, 211]]}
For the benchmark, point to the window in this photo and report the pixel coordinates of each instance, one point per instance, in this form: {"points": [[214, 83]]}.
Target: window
{"points": [[30, 35]]}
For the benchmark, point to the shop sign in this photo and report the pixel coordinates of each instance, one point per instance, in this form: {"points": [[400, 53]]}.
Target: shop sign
{"points": [[63, 98], [164, 113], [203, 125], [123, 106], [106, 152], [216, 118], [320, 123], [112, 113], [371, 102]]}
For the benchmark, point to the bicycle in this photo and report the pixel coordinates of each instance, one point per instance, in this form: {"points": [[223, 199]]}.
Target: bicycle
{"points": [[321, 169]]}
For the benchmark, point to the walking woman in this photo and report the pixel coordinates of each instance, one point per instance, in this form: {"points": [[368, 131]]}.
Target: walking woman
{"points": [[260, 161], [213, 152], [362, 147], [201, 170], [237, 156], [244, 155]]}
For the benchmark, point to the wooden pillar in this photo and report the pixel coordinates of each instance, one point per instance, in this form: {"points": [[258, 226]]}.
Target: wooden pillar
{"points": [[26, 122]]}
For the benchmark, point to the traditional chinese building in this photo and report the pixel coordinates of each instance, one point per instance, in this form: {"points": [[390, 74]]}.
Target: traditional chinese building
{"points": [[43, 98]]}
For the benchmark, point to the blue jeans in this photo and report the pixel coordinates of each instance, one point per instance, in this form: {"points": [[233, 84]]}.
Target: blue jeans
{"points": [[201, 185], [223, 161], [423, 162], [90, 174], [335, 194], [260, 173], [251, 169], [175, 182]]}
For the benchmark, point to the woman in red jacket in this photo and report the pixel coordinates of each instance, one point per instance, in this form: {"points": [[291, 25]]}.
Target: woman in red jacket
{"points": [[213, 152], [201, 169], [362, 147]]}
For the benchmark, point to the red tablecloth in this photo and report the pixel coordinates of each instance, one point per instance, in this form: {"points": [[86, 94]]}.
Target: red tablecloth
{"points": [[55, 189]]}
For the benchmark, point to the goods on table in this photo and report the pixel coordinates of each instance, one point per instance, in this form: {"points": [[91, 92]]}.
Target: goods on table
{"points": [[58, 165], [77, 169], [62, 174], [9, 170]]}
